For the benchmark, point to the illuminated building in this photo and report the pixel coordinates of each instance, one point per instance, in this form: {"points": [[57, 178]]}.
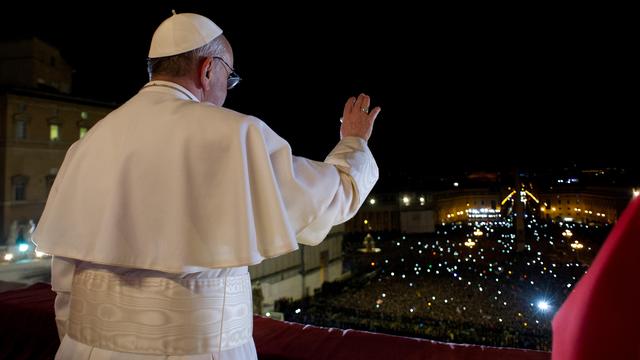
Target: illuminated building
{"points": [[39, 121]]}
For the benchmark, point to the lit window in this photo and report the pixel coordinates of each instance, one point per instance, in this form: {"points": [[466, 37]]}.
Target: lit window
{"points": [[54, 132]]}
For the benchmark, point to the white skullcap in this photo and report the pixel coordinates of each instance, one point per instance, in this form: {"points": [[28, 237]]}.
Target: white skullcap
{"points": [[181, 33]]}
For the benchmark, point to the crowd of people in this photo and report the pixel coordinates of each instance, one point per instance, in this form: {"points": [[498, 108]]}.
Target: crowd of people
{"points": [[439, 288]]}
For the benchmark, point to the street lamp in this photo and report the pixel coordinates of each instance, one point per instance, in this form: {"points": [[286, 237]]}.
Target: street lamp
{"points": [[406, 200], [576, 245]]}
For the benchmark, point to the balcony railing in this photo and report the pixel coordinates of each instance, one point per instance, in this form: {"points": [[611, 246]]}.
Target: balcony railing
{"points": [[29, 332]]}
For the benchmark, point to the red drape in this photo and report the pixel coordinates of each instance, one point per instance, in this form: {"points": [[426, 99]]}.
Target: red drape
{"points": [[601, 317]]}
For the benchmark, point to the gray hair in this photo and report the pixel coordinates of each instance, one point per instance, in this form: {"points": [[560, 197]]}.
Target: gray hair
{"points": [[181, 64]]}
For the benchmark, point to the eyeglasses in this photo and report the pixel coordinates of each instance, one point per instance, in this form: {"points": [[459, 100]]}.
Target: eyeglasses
{"points": [[233, 79]]}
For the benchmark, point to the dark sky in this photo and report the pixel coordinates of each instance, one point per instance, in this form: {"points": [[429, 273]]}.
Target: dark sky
{"points": [[460, 88]]}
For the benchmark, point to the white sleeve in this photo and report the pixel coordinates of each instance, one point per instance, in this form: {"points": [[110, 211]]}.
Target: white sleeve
{"points": [[62, 270], [319, 195], [358, 174]]}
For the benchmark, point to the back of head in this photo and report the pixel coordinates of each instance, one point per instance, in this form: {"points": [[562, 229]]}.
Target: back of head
{"points": [[180, 41]]}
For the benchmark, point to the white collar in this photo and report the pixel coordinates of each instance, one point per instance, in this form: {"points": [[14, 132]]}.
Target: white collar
{"points": [[173, 88]]}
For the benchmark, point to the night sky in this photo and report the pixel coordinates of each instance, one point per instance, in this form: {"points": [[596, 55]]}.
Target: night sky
{"points": [[460, 88]]}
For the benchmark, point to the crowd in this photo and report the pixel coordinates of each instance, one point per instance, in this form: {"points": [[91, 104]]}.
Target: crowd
{"points": [[439, 288]]}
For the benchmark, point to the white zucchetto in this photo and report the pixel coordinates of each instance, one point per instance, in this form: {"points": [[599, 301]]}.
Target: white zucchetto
{"points": [[181, 33]]}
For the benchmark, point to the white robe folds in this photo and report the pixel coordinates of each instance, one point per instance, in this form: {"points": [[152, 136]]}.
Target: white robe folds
{"points": [[184, 195], [165, 183]]}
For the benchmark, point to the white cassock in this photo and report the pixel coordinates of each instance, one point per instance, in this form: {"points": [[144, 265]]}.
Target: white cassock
{"points": [[156, 213]]}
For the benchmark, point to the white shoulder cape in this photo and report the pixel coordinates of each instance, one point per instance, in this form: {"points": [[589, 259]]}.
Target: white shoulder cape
{"points": [[169, 184]]}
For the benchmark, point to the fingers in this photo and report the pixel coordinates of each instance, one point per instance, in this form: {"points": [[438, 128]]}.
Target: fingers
{"points": [[364, 106], [374, 113], [362, 103], [348, 106]]}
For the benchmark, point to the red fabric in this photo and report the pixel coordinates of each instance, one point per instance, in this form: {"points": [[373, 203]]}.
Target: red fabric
{"points": [[600, 318], [28, 331], [291, 341], [27, 323]]}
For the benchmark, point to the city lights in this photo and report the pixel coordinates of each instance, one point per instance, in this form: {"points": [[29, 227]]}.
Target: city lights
{"points": [[576, 245], [543, 305]]}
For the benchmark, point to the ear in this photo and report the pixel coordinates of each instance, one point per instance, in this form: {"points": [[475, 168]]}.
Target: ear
{"points": [[206, 72]]}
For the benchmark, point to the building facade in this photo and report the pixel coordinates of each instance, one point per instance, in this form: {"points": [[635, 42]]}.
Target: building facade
{"points": [[300, 273], [39, 120], [421, 212]]}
